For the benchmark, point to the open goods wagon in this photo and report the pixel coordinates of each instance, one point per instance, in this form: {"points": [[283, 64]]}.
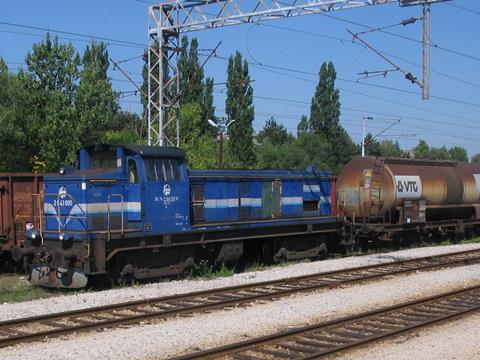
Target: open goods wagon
{"points": [[18, 209]]}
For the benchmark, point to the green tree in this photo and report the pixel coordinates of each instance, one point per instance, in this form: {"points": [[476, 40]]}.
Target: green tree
{"points": [[303, 126], [190, 72], [475, 158], [389, 148], [190, 118], [95, 101], [96, 55], [439, 153], [54, 70], [239, 107], [372, 146], [200, 149], [18, 141], [325, 118], [193, 88], [208, 109], [422, 150], [125, 120], [308, 149], [59, 138], [54, 66], [123, 137], [325, 107], [458, 153], [276, 133]]}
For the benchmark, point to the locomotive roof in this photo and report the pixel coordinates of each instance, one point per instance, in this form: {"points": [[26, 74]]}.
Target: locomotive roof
{"points": [[279, 173], [144, 151]]}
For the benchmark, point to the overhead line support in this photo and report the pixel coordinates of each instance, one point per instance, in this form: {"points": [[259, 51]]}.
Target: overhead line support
{"points": [[167, 20]]}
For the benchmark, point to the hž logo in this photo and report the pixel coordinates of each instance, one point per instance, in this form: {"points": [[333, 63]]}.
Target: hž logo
{"points": [[62, 192], [408, 187], [166, 190], [63, 199]]}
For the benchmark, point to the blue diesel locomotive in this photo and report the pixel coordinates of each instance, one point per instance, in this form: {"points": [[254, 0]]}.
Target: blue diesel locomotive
{"points": [[138, 212]]}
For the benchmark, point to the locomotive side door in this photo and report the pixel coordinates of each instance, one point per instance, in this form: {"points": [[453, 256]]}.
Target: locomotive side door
{"points": [[133, 192]]}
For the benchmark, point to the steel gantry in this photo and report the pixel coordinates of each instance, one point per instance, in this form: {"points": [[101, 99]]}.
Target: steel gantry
{"points": [[167, 20]]}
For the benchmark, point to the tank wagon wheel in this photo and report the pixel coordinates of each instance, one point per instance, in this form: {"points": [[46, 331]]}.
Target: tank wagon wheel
{"points": [[397, 241], [476, 230]]}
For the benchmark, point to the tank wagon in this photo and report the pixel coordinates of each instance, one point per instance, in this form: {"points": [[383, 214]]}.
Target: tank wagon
{"points": [[18, 210], [400, 199], [139, 212]]}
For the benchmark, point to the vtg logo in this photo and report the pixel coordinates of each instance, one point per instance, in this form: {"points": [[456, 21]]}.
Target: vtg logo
{"points": [[166, 190], [407, 186]]}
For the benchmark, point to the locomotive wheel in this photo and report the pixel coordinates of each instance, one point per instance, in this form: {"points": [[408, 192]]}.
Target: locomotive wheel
{"points": [[267, 253], [323, 253]]}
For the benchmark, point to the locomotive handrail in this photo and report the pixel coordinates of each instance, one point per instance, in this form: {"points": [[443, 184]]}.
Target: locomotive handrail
{"points": [[109, 212], [58, 215]]}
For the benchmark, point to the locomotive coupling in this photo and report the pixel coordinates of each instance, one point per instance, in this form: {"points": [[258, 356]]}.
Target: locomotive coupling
{"points": [[33, 242]]}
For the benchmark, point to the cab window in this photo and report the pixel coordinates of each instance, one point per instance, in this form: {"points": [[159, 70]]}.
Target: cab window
{"points": [[163, 169], [132, 171], [103, 160]]}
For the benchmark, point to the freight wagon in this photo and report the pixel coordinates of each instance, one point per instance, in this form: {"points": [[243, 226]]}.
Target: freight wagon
{"points": [[18, 210], [405, 199], [138, 212]]}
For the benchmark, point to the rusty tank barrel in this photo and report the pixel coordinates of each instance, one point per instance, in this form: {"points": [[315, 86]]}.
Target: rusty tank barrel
{"points": [[377, 187]]}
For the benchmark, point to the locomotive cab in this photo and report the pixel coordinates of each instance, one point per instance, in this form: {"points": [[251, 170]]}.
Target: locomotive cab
{"points": [[103, 201]]}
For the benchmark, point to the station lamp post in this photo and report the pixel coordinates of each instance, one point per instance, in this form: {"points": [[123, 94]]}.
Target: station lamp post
{"points": [[222, 127]]}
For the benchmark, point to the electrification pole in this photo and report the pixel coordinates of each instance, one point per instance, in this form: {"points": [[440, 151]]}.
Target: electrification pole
{"points": [[169, 19], [426, 52]]}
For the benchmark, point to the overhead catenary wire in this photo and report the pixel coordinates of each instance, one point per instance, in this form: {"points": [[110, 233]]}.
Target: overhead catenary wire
{"points": [[431, 44], [349, 42], [473, 11], [90, 36], [272, 69]]}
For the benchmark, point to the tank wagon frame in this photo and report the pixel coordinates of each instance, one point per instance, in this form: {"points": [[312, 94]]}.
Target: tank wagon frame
{"points": [[138, 212], [399, 200]]}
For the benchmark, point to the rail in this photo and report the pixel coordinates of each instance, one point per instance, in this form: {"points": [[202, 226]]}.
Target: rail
{"points": [[38, 327], [318, 340]]}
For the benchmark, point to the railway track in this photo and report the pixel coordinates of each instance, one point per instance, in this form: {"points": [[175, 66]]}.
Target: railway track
{"points": [[39, 327], [315, 341]]}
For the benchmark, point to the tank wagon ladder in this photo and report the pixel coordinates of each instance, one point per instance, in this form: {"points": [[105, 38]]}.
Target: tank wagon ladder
{"points": [[376, 185]]}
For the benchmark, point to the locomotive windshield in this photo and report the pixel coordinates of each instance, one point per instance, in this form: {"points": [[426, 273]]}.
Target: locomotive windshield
{"points": [[163, 169], [106, 159]]}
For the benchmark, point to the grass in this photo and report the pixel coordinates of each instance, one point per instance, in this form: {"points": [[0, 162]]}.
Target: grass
{"points": [[15, 288], [206, 271], [262, 267]]}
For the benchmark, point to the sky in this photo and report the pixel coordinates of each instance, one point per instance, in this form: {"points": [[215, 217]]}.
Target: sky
{"points": [[285, 57]]}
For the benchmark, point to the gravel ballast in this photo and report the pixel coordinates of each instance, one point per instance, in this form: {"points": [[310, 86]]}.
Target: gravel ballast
{"points": [[176, 336], [458, 339], [89, 299]]}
